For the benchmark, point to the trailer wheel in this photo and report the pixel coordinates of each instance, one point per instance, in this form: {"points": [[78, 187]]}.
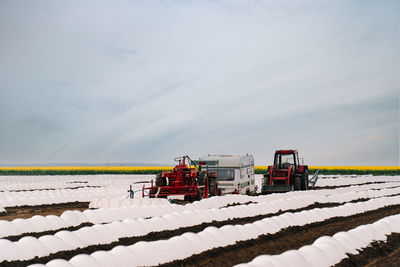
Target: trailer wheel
{"points": [[266, 179], [248, 192], [200, 194], [212, 175], [201, 177], [304, 180], [213, 187], [297, 183]]}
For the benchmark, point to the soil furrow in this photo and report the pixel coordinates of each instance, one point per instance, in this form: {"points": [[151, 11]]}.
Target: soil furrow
{"points": [[348, 185], [52, 189], [289, 238], [251, 219], [26, 212], [156, 236], [50, 232], [237, 221], [162, 235], [382, 253]]}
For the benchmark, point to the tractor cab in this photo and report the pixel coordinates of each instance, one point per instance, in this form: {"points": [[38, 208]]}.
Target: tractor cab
{"points": [[286, 158]]}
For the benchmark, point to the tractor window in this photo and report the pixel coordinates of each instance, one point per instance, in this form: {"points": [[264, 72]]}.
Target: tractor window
{"points": [[224, 175], [288, 158], [284, 161]]}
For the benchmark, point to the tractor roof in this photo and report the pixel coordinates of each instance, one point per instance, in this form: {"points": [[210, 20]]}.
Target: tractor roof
{"points": [[290, 151]]}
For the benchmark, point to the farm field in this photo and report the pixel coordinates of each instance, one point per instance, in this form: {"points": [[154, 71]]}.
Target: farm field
{"points": [[87, 220]]}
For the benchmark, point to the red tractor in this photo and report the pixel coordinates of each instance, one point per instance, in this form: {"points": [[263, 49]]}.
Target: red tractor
{"points": [[184, 180], [286, 174]]}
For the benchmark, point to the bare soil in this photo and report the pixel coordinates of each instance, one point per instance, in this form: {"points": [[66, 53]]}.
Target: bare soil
{"points": [[348, 185], [50, 232], [377, 254], [149, 237], [289, 238], [48, 209], [51, 189]]}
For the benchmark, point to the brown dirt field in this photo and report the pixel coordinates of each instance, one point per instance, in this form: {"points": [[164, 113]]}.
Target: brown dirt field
{"points": [[377, 254], [151, 237], [290, 238], [347, 185], [50, 209], [238, 204], [50, 232], [51, 189]]}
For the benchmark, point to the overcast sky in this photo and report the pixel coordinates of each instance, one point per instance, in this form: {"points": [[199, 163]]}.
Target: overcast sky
{"points": [[146, 81]]}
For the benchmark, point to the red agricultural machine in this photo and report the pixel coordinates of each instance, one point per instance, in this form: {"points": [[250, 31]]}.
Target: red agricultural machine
{"points": [[186, 180], [286, 174]]}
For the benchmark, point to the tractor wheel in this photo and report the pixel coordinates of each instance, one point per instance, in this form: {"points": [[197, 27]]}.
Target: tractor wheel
{"points": [[266, 179], [201, 194], [297, 183], [212, 175], [212, 187], [200, 178], [189, 198], [153, 192], [159, 179], [304, 180]]}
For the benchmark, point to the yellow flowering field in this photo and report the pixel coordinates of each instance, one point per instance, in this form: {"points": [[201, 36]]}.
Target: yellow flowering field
{"points": [[363, 168], [81, 170], [86, 168], [71, 170], [391, 170]]}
